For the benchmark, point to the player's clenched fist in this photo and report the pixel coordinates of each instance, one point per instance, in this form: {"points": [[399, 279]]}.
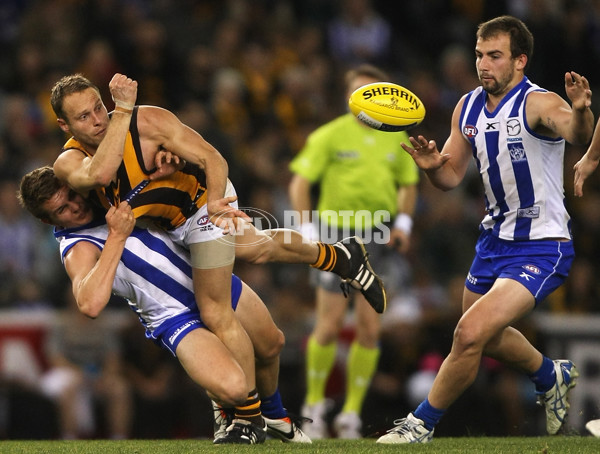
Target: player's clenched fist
{"points": [[120, 220], [123, 91]]}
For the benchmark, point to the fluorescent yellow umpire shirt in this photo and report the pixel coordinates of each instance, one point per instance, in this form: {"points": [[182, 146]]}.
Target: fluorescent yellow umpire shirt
{"points": [[359, 168]]}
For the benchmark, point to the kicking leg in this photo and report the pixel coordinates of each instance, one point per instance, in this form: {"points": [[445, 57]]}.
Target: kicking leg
{"points": [[346, 258]]}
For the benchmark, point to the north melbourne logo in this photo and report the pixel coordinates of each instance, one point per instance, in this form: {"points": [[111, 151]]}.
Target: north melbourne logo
{"points": [[517, 152]]}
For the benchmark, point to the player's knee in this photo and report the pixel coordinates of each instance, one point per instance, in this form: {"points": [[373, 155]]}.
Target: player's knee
{"points": [[258, 254], [272, 350], [217, 318], [260, 258], [232, 391], [467, 338], [233, 399]]}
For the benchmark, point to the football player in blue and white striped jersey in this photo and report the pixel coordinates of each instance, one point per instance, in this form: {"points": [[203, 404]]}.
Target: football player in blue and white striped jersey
{"points": [[516, 132], [106, 255]]}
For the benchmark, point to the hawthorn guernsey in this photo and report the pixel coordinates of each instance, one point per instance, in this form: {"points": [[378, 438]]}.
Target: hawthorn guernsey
{"points": [[387, 106]]}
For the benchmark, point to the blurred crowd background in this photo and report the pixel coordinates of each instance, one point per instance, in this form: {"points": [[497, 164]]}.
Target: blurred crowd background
{"points": [[254, 78]]}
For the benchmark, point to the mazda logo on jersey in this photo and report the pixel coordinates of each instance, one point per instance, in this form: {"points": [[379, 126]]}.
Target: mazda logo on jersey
{"points": [[513, 127]]}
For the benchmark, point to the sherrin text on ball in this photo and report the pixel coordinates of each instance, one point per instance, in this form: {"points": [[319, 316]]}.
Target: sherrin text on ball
{"points": [[387, 106]]}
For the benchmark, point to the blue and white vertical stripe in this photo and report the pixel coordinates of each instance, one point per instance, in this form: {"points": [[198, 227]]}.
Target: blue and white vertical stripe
{"points": [[521, 171], [153, 272]]}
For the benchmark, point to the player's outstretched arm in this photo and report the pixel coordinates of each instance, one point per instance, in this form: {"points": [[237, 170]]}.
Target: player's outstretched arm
{"points": [[550, 115], [445, 169], [588, 162], [578, 90]]}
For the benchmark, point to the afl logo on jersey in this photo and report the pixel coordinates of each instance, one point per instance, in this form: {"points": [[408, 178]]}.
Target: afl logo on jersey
{"points": [[532, 269], [469, 131]]}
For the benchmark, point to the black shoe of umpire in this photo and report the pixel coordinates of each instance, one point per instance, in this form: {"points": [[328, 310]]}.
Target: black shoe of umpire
{"points": [[361, 275]]}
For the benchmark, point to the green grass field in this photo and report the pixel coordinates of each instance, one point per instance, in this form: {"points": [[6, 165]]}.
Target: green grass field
{"points": [[488, 445]]}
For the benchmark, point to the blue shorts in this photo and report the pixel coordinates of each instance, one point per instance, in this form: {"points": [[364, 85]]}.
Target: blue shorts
{"points": [[171, 331], [540, 265]]}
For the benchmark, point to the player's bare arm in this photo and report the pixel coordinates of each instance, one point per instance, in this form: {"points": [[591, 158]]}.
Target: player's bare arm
{"points": [[583, 169], [588, 162], [87, 120], [83, 173], [445, 169], [92, 272], [550, 115], [72, 166], [161, 130]]}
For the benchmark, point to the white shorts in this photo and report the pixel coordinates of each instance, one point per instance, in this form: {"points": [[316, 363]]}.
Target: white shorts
{"points": [[211, 247], [198, 228]]}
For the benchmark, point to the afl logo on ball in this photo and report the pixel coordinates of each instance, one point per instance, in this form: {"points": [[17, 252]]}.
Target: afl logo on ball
{"points": [[203, 220]]}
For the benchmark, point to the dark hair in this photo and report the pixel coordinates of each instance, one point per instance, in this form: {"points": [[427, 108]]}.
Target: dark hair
{"points": [[68, 85], [365, 70], [37, 187], [521, 39]]}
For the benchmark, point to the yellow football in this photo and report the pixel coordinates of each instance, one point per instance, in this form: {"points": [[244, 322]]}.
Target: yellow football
{"points": [[387, 106]]}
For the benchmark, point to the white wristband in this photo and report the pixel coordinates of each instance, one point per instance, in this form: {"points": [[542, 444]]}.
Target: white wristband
{"points": [[123, 105], [404, 223]]}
